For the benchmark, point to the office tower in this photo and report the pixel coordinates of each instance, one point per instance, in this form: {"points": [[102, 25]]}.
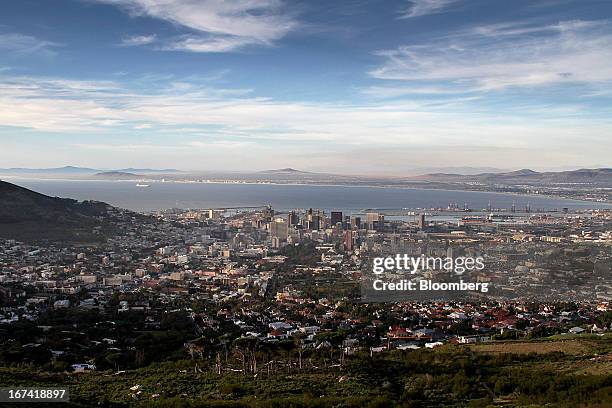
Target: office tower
{"points": [[268, 213], [375, 221], [371, 217], [356, 222], [278, 228], [313, 222], [336, 217], [293, 218], [348, 241], [380, 223], [422, 221]]}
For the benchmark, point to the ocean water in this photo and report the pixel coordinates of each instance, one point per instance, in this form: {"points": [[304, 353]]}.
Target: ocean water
{"points": [[350, 199]]}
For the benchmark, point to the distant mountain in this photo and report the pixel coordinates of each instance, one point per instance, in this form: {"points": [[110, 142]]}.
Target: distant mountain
{"points": [[29, 216], [53, 170], [287, 170], [72, 170], [460, 170], [117, 175], [601, 176], [133, 170]]}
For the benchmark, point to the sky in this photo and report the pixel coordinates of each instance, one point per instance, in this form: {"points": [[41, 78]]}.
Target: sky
{"points": [[353, 87]]}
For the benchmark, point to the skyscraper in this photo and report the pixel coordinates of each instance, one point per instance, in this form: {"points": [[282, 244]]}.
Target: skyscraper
{"points": [[422, 221], [293, 218], [336, 217], [278, 228], [375, 221], [348, 241]]}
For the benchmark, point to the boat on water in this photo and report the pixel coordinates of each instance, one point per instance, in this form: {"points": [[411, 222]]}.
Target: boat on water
{"points": [[142, 185]]}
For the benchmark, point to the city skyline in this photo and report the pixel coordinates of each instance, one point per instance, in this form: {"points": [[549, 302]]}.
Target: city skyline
{"points": [[359, 87]]}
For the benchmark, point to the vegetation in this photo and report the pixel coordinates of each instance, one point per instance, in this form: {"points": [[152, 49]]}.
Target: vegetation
{"points": [[451, 375]]}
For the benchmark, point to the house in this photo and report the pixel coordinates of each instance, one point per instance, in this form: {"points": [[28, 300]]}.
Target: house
{"points": [[80, 368], [576, 330], [474, 339]]}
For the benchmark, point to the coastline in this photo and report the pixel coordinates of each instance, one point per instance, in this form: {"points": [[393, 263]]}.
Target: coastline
{"points": [[154, 181]]}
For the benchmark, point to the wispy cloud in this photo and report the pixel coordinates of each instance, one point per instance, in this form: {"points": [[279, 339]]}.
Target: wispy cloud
{"points": [[197, 121], [418, 89], [53, 105], [137, 40], [507, 55], [214, 43], [25, 44], [419, 8], [217, 25]]}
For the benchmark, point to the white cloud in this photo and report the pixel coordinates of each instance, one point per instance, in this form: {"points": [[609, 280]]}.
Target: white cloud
{"points": [[217, 25], [25, 44], [185, 112], [137, 40], [209, 44], [502, 56], [419, 8], [399, 91]]}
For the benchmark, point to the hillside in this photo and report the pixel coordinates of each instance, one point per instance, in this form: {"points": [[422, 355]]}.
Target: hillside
{"points": [[27, 215], [601, 176], [117, 175]]}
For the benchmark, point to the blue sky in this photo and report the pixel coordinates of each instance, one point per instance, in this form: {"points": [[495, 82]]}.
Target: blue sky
{"points": [[357, 86]]}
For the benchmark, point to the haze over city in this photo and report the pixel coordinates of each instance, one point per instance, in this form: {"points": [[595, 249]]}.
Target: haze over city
{"points": [[357, 87]]}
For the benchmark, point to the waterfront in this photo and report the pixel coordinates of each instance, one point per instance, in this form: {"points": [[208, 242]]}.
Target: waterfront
{"points": [[350, 199]]}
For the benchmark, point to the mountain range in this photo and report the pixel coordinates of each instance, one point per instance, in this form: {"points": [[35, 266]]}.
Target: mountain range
{"points": [[525, 176], [72, 170]]}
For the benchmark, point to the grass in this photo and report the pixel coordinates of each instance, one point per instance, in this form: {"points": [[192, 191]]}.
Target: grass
{"points": [[435, 377], [570, 344], [573, 347]]}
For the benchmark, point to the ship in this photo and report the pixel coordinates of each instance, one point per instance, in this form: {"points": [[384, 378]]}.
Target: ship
{"points": [[142, 185]]}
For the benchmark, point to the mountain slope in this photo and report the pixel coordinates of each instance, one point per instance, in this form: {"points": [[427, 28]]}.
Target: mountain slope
{"points": [[27, 215]]}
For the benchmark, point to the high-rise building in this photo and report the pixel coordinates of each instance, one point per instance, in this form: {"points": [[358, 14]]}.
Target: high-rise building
{"points": [[348, 241], [268, 213], [371, 217], [336, 217], [375, 221], [293, 218], [313, 223], [278, 228], [356, 222], [422, 221]]}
